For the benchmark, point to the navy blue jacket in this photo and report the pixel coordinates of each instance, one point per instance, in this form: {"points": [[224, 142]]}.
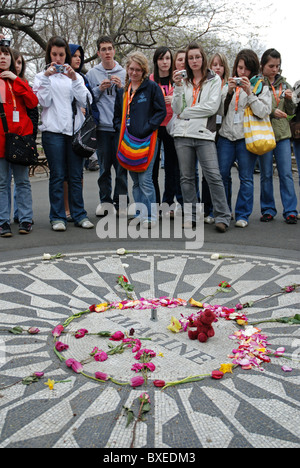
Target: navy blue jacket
{"points": [[147, 110]]}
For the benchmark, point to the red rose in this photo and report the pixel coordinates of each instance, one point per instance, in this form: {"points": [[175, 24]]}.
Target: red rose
{"points": [[216, 374], [159, 383]]}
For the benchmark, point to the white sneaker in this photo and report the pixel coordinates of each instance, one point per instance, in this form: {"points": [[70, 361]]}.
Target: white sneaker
{"points": [[86, 224], [102, 211], [241, 223], [59, 226], [209, 220], [298, 217]]}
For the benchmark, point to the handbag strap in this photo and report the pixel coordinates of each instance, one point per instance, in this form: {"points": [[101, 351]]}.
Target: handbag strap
{"points": [[3, 118], [74, 110]]}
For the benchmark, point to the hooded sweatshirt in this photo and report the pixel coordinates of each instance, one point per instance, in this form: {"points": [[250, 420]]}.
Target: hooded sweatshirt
{"points": [[105, 100]]}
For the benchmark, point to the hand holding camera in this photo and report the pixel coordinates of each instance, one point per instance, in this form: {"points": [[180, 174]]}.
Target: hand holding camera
{"points": [[179, 76]]}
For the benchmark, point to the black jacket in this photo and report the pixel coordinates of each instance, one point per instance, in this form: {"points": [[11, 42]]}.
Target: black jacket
{"points": [[147, 110]]}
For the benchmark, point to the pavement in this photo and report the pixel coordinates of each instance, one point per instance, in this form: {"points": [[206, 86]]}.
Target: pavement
{"points": [[249, 408]]}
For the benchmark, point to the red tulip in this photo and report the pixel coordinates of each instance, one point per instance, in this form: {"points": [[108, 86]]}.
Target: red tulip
{"points": [[137, 381], [217, 374], [159, 383], [118, 336]]}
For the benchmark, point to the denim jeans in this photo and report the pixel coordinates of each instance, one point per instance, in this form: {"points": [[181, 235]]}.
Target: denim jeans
{"points": [[144, 192], [23, 192], [228, 153], [296, 146], [64, 164], [188, 151], [107, 145], [283, 157]]}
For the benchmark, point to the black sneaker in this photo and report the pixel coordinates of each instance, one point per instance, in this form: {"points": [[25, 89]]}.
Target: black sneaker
{"points": [[266, 218], [25, 228], [5, 230], [291, 219]]}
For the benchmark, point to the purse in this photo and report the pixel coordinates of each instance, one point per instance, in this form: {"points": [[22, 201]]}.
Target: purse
{"points": [[19, 149], [134, 154], [295, 129], [84, 141], [259, 134]]}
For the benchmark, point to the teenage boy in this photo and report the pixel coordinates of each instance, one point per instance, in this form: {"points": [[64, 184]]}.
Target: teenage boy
{"points": [[105, 79]]}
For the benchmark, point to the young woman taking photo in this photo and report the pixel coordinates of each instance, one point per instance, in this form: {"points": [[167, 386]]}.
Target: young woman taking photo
{"points": [[196, 101], [56, 88], [282, 107], [16, 96], [236, 96]]}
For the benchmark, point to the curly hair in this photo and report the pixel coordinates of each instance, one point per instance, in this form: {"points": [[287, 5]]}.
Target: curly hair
{"points": [[142, 61]]}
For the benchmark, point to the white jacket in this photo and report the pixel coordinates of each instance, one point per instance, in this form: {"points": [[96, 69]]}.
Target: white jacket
{"points": [[198, 121], [233, 126], [55, 95]]}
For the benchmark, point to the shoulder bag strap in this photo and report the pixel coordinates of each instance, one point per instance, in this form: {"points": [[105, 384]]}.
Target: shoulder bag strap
{"points": [[3, 118]]}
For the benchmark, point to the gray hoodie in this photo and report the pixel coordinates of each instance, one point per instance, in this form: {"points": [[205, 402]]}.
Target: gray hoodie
{"points": [[105, 101]]}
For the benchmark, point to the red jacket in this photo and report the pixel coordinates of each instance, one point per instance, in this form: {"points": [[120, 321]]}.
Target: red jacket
{"points": [[24, 97]]}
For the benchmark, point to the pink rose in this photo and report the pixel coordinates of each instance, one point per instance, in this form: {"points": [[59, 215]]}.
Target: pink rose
{"points": [[81, 333], [137, 381], [100, 356], [101, 376], [75, 365], [117, 336], [57, 331], [59, 346]]}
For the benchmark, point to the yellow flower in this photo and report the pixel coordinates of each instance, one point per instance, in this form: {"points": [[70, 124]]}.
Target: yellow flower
{"points": [[195, 303], [226, 368], [101, 307], [242, 322], [175, 326], [50, 384], [160, 355]]}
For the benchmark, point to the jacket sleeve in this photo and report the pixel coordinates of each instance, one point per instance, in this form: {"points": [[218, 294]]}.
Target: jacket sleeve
{"points": [[42, 89], [159, 108], [261, 105], [177, 103], [22, 88]]}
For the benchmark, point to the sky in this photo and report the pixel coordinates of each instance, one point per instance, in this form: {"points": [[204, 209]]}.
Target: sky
{"points": [[279, 26]]}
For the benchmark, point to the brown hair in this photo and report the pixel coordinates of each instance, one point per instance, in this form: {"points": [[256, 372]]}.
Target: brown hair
{"points": [[251, 61], [8, 50], [204, 68], [57, 41]]}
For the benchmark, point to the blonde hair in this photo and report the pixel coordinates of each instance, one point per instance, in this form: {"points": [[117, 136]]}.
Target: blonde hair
{"points": [[224, 62], [142, 61]]}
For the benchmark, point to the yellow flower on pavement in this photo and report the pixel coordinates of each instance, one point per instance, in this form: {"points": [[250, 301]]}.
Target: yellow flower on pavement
{"points": [[50, 384], [160, 355], [226, 368], [175, 326], [195, 303]]}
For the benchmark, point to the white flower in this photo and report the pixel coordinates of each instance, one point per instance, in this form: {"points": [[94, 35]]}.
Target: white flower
{"points": [[121, 251], [46, 256], [215, 256]]}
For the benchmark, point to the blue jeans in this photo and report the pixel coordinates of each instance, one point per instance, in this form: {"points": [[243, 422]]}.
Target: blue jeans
{"points": [[228, 153], [296, 145], [61, 158], [283, 157], [144, 192], [107, 145], [23, 192]]}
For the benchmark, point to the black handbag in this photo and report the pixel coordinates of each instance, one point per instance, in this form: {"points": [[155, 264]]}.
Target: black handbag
{"points": [[84, 141], [19, 149]]}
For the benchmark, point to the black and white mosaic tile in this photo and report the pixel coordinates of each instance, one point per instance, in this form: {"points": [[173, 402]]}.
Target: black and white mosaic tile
{"points": [[247, 409]]}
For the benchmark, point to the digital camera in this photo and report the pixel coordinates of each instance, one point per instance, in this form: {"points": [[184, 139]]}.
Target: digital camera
{"points": [[238, 81], [60, 68], [182, 73], [5, 42]]}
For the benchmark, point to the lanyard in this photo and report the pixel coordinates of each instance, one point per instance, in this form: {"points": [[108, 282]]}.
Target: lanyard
{"points": [[196, 91], [237, 97], [277, 98], [163, 88], [130, 99], [13, 96]]}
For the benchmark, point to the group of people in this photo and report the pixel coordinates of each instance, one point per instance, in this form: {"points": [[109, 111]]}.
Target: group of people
{"points": [[191, 107]]}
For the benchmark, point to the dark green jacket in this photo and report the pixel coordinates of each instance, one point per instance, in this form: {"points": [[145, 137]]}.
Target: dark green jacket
{"points": [[281, 127]]}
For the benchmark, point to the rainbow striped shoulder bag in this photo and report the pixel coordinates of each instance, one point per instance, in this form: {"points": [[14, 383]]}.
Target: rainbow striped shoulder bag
{"points": [[134, 154]]}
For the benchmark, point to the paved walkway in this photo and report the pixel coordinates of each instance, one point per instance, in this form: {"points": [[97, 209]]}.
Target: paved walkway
{"points": [[249, 408]]}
